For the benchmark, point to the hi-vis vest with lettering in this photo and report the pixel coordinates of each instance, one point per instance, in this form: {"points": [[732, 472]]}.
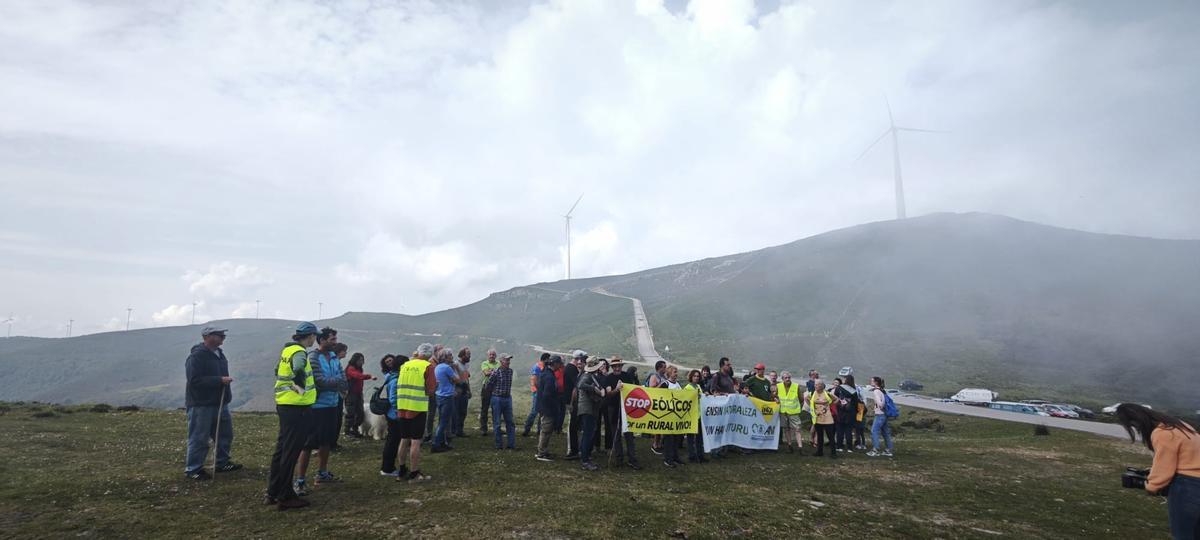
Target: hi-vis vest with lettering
{"points": [[284, 379], [789, 400], [410, 387]]}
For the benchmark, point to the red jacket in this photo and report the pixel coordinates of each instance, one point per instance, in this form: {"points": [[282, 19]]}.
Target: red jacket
{"points": [[356, 378]]}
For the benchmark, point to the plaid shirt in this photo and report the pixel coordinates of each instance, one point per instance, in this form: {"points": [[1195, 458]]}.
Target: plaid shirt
{"points": [[501, 381]]}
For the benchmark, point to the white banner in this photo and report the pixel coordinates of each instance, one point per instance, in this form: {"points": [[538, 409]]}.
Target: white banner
{"points": [[737, 420]]}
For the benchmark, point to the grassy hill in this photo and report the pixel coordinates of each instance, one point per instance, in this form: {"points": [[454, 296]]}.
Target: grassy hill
{"points": [[72, 472], [952, 300]]}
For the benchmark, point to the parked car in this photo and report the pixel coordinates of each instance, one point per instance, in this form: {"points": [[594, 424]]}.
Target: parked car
{"points": [[975, 396], [1035, 401], [1083, 413], [909, 385], [1058, 411], [1023, 408]]}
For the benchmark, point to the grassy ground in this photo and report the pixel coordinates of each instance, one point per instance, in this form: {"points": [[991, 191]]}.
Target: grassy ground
{"points": [[69, 471]]}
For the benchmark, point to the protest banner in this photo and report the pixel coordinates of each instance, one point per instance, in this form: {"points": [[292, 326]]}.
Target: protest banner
{"points": [[737, 420], [659, 411]]}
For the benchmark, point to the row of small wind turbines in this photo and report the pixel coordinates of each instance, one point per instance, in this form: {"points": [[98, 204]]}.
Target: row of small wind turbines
{"points": [[893, 130]]}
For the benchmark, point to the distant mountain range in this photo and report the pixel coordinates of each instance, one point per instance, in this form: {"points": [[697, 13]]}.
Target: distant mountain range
{"points": [[951, 300]]}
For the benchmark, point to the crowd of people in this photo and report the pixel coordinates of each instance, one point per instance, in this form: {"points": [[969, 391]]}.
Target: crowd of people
{"points": [[428, 394]]}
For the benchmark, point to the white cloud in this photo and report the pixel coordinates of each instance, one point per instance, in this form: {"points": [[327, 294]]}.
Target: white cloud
{"points": [[226, 282], [175, 315]]}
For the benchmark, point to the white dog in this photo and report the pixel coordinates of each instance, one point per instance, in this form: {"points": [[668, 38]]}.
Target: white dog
{"points": [[374, 425]]}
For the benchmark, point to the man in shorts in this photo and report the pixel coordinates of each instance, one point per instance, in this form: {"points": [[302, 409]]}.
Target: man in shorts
{"points": [[790, 418], [414, 386]]}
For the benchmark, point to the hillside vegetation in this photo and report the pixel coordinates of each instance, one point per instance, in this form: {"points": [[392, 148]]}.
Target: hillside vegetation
{"points": [[951, 300]]}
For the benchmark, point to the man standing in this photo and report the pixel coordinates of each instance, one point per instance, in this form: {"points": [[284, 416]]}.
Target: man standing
{"points": [[414, 384], [570, 400], [331, 383], [295, 392], [549, 405], [789, 413], [534, 374], [758, 385], [447, 381], [207, 396], [610, 415], [590, 393], [485, 390], [462, 395], [623, 448], [723, 384], [501, 397]]}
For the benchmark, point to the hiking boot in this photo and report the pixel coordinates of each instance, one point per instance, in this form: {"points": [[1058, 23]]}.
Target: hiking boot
{"points": [[300, 487], [325, 477], [543, 457], [229, 467], [292, 503], [199, 475]]}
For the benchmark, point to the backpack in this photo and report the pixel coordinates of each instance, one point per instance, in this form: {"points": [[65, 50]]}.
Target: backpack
{"points": [[890, 409], [380, 403]]}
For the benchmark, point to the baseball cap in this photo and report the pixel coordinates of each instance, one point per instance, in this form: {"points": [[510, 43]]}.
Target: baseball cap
{"points": [[579, 354], [306, 328], [506, 356], [760, 366], [207, 330]]}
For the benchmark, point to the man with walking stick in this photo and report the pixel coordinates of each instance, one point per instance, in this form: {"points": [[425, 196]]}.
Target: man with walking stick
{"points": [[207, 399]]}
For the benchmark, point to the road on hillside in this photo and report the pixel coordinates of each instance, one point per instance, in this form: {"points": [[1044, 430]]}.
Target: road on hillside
{"points": [[641, 330], [922, 402]]}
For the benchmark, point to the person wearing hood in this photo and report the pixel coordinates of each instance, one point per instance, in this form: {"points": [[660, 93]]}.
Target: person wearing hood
{"points": [[207, 397]]}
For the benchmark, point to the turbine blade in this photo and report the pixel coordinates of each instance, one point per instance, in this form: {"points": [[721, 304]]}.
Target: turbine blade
{"points": [[872, 145], [574, 205], [891, 121], [921, 130]]}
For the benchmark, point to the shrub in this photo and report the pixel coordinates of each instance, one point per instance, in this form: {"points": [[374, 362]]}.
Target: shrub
{"points": [[1041, 429], [45, 414], [101, 408], [128, 408]]}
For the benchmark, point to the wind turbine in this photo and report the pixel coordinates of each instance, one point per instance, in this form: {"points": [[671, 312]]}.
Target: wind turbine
{"points": [[70, 326], [568, 219], [892, 130], [128, 317], [9, 320]]}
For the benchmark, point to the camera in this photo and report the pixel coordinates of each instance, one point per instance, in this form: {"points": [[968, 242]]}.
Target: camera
{"points": [[1134, 477]]}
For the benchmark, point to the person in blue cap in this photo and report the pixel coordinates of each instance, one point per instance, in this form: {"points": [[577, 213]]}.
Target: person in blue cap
{"points": [[295, 392], [207, 398]]}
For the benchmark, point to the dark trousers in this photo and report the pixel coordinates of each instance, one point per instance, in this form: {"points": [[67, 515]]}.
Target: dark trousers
{"points": [[354, 412], [461, 399], [562, 415], [1183, 507], [485, 403], [390, 446], [621, 451], [533, 414], [695, 445], [573, 431], [670, 447], [431, 417], [337, 431], [612, 423], [825, 435], [588, 430], [294, 425], [844, 437], [859, 429]]}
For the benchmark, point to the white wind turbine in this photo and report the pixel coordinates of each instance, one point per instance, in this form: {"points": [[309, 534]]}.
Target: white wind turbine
{"points": [[892, 130], [567, 217]]}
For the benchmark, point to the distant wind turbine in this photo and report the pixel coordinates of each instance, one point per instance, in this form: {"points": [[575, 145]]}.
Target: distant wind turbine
{"points": [[9, 320], [892, 130], [568, 219]]}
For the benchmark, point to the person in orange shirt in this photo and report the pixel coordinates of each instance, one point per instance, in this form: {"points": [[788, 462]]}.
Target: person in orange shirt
{"points": [[1176, 447]]}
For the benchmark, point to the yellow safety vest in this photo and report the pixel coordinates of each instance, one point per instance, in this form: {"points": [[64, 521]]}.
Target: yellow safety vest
{"points": [[789, 401], [284, 379], [410, 386]]}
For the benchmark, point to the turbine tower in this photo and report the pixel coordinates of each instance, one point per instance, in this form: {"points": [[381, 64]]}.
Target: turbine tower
{"points": [[568, 219], [893, 130], [9, 320]]}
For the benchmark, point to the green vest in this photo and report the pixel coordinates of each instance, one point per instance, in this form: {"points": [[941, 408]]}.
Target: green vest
{"points": [[285, 394], [789, 400], [410, 386]]}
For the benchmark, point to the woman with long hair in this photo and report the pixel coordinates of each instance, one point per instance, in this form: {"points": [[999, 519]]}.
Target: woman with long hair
{"points": [[879, 426], [354, 395], [1176, 447], [695, 442]]}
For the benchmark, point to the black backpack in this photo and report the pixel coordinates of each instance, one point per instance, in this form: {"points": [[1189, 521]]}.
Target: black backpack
{"points": [[379, 403]]}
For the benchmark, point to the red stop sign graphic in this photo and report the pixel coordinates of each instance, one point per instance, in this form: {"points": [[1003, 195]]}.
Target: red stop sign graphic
{"points": [[637, 403]]}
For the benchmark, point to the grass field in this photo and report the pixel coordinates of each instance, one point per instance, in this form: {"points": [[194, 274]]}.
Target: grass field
{"points": [[73, 472]]}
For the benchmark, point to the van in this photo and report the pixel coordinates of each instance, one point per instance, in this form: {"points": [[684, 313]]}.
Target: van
{"points": [[975, 396]]}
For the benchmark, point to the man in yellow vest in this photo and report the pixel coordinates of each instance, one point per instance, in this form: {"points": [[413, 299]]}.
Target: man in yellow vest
{"points": [[295, 392], [789, 412], [414, 385]]}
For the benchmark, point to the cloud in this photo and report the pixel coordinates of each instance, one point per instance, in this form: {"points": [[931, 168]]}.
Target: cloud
{"points": [[226, 282], [175, 315]]}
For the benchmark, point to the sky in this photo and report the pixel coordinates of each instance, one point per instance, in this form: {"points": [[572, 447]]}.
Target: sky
{"points": [[324, 157]]}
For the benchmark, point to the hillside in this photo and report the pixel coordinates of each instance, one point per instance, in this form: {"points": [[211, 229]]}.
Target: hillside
{"points": [[951, 300], [971, 478]]}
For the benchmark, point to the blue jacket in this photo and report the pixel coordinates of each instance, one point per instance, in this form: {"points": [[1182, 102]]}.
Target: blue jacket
{"points": [[204, 369], [547, 394], [330, 379], [389, 388]]}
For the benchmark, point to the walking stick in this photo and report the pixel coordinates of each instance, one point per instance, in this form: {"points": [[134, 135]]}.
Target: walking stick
{"points": [[212, 446]]}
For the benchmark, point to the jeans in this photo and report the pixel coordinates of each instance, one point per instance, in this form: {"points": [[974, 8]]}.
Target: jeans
{"points": [[201, 422], [502, 409], [1183, 507], [621, 451], [445, 412], [533, 414], [588, 426], [880, 425]]}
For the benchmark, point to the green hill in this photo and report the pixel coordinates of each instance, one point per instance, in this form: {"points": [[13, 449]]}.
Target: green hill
{"points": [[952, 300]]}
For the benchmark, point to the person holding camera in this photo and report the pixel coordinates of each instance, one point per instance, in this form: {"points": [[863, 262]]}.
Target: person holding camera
{"points": [[1176, 467]]}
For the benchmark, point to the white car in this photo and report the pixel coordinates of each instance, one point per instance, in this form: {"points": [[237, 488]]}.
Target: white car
{"points": [[1112, 409]]}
